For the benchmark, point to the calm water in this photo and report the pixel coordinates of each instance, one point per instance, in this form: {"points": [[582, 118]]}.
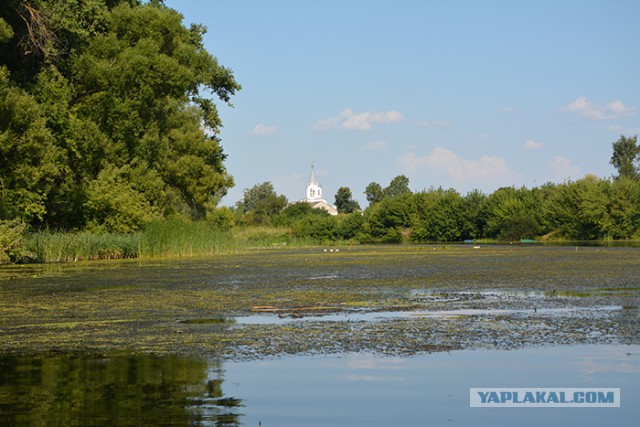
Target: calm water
{"points": [[353, 389], [343, 390]]}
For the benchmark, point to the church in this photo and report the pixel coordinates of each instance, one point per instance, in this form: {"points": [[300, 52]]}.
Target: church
{"points": [[314, 195]]}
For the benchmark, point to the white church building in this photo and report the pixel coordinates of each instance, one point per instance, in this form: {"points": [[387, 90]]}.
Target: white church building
{"points": [[314, 195]]}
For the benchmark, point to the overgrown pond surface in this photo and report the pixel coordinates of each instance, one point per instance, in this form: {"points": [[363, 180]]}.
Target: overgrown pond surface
{"points": [[107, 342]]}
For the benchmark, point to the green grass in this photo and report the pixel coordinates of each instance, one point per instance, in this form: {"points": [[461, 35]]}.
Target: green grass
{"points": [[168, 239], [184, 239], [163, 239], [56, 246]]}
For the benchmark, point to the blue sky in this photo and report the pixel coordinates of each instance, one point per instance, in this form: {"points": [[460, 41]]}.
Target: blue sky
{"points": [[460, 94]]}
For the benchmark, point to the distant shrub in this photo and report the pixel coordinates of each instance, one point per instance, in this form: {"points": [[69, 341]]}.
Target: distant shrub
{"points": [[13, 241]]}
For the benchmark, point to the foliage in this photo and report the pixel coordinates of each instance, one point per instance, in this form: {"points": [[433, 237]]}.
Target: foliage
{"points": [[13, 246], [345, 202], [509, 214], [441, 217], [374, 193], [397, 187], [624, 209], [626, 157], [260, 204], [386, 220], [104, 122]]}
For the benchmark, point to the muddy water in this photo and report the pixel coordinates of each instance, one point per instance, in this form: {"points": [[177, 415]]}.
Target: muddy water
{"points": [[169, 342]]}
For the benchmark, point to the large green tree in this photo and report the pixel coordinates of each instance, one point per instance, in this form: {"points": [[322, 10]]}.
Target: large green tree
{"points": [[260, 204], [345, 202], [398, 186], [119, 110], [626, 157], [374, 193]]}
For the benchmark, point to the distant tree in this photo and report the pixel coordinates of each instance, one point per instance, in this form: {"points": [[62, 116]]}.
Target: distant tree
{"points": [[509, 214], [474, 219], [624, 208], [260, 203], [345, 202], [296, 212], [626, 157], [374, 193], [387, 220], [443, 217], [398, 186]]}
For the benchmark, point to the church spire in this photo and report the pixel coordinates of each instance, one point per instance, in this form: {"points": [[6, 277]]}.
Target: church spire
{"points": [[314, 190], [312, 178]]}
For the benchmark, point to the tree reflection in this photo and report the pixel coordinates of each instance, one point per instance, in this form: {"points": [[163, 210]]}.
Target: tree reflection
{"points": [[116, 391]]}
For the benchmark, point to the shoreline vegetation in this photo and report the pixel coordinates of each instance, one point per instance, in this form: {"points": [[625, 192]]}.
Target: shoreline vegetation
{"points": [[179, 239], [110, 148]]}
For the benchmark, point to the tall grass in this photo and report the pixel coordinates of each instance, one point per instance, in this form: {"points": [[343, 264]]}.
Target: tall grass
{"points": [[56, 246], [161, 239], [184, 239]]}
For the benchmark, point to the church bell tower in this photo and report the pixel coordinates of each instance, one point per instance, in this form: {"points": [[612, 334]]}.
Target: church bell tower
{"points": [[314, 190]]}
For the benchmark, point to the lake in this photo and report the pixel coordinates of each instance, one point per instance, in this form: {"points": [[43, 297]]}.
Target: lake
{"points": [[354, 389], [366, 335]]}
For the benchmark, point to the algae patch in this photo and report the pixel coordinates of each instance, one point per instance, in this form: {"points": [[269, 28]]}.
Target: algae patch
{"points": [[381, 299]]}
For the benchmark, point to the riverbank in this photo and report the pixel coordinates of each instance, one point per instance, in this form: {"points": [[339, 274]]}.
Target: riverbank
{"points": [[166, 239], [179, 239]]}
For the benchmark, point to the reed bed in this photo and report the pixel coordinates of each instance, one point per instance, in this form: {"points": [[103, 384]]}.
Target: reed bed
{"points": [[57, 246], [163, 239]]}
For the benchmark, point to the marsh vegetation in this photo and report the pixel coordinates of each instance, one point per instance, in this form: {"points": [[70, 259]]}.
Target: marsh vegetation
{"points": [[494, 296]]}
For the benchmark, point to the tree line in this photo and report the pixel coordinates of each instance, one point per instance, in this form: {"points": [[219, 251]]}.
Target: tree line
{"points": [[108, 123], [586, 209]]}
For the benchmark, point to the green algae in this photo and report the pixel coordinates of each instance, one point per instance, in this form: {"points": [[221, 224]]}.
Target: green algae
{"points": [[190, 306]]}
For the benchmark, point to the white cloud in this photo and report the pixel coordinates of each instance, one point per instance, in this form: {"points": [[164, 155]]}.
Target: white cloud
{"points": [[376, 145], [563, 168], [612, 111], [261, 129], [508, 110], [349, 120], [444, 162], [533, 145]]}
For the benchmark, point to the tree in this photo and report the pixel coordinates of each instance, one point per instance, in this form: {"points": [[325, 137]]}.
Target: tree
{"points": [[578, 210], [624, 208], [28, 155], [374, 193], [398, 186], [443, 217], [510, 214], [626, 157], [345, 202], [106, 95], [387, 220], [261, 203]]}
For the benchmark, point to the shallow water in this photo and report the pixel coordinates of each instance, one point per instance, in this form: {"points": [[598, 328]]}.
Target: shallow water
{"points": [[355, 389], [375, 316], [166, 342], [433, 389]]}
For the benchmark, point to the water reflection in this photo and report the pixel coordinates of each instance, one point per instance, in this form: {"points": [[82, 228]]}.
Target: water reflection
{"points": [[353, 389], [433, 389], [116, 391]]}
